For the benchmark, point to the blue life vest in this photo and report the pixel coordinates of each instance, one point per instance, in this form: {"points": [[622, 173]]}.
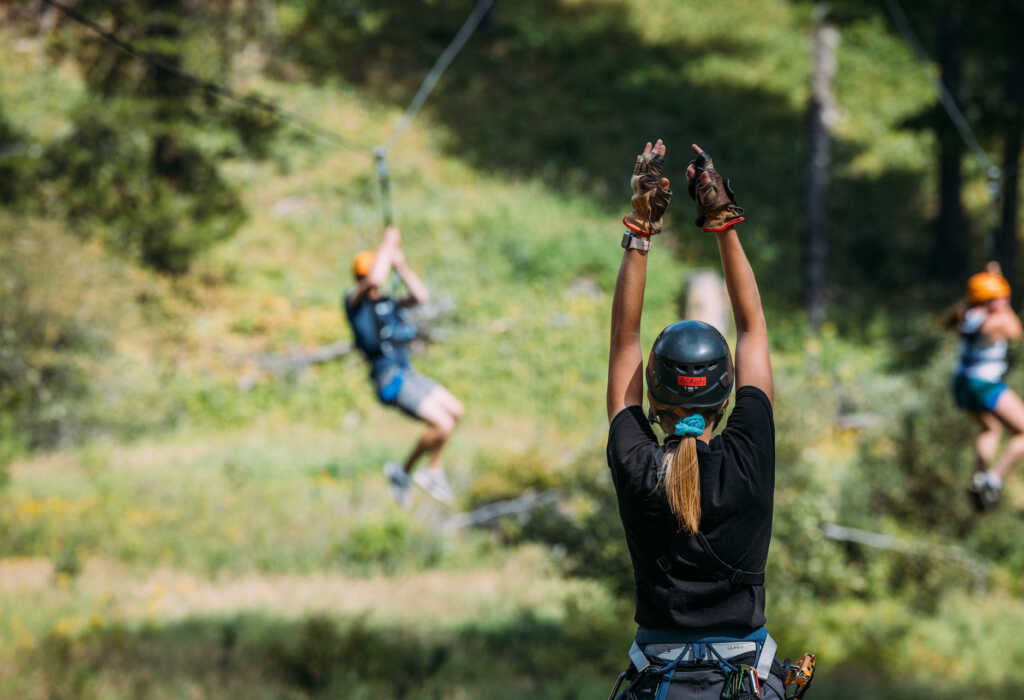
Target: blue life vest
{"points": [[382, 333]]}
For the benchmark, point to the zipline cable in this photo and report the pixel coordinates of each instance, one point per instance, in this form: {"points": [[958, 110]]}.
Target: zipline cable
{"points": [[208, 85], [992, 171], [380, 162], [442, 63], [380, 154]]}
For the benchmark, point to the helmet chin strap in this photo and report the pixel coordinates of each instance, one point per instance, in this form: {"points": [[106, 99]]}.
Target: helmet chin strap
{"points": [[654, 417]]}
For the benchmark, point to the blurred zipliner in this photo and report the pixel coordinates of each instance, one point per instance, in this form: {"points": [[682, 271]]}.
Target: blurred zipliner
{"points": [[381, 329], [383, 333], [986, 323]]}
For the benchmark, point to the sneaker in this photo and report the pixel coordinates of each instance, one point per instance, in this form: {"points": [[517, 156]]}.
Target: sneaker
{"points": [[399, 481], [433, 481], [984, 495]]}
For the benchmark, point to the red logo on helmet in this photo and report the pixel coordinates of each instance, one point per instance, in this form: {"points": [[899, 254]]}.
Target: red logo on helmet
{"points": [[684, 380]]}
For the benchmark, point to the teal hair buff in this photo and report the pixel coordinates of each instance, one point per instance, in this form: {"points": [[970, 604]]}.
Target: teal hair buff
{"points": [[691, 426]]}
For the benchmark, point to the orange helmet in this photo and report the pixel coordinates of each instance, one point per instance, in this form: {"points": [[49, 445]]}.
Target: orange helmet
{"points": [[986, 286], [363, 263]]}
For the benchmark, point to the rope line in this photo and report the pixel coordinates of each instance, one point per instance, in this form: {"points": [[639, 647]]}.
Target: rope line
{"points": [[979, 568], [208, 85], [380, 153], [442, 63], [946, 98]]}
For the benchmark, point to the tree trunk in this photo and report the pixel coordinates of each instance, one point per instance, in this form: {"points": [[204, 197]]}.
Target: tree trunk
{"points": [[949, 255], [822, 115], [1006, 235]]}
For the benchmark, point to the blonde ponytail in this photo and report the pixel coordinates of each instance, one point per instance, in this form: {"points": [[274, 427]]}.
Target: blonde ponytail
{"points": [[681, 479]]}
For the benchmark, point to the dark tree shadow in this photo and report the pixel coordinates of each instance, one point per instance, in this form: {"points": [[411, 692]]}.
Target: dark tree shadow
{"points": [[568, 93], [260, 655]]}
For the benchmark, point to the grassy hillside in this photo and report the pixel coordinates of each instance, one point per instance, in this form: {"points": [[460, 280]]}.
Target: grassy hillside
{"points": [[189, 538]]}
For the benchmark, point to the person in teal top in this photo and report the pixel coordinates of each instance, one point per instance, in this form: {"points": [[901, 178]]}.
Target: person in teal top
{"points": [[383, 333], [986, 323]]}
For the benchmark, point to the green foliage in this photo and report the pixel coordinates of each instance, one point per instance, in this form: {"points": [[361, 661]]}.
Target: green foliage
{"points": [[18, 163], [139, 168], [67, 562], [503, 475], [154, 198], [386, 545], [42, 350]]}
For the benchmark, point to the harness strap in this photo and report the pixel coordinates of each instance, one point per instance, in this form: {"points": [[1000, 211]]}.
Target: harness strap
{"points": [[766, 657], [639, 659], [735, 576], [666, 679]]}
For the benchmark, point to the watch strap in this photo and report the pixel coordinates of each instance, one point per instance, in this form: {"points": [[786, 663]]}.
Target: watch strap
{"points": [[631, 241]]}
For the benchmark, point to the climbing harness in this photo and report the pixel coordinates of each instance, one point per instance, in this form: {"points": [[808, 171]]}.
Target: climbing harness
{"points": [[664, 651], [661, 661], [981, 358], [391, 329]]}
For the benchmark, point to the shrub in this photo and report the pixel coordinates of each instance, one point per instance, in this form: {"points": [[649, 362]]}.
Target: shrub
{"points": [[147, 192]]}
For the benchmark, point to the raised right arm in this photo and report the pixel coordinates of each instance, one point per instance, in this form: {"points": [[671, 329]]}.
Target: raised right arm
{"points": [[753, 360], [625, 355], [1003, 325]]}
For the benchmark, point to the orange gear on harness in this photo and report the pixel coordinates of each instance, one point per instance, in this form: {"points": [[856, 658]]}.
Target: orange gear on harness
{"points": [[986, 286], [363, 263]]}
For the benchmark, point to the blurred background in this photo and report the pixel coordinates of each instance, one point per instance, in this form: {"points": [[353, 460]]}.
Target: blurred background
{"points": [[191, 506]]}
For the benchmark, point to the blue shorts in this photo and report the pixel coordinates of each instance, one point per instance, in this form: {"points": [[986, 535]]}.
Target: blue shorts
{"points": [[976, 395]]}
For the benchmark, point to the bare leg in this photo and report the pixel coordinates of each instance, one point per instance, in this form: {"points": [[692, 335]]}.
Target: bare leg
{"points": [[431, 440], [987, 443], [434, 411], [453, 405], [454, 408], [1010, 410]]}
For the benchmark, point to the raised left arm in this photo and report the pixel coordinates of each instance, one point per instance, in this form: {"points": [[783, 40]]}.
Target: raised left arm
{"points": [[418, 292]]}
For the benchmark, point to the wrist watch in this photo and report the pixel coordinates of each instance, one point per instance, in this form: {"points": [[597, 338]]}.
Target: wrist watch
{"points": [[632, 241]]}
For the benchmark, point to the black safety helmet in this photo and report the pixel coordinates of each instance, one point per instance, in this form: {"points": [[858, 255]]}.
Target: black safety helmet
{"points": [[690, 366]]}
